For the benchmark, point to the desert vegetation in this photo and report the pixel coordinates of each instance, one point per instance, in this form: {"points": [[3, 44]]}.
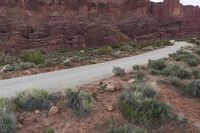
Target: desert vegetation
{"points": [[141, 101], [137, 103], [7, 118], [42, 60], [79, 101], [181, 69]]}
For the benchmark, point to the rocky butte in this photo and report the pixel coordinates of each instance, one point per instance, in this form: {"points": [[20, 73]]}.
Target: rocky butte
{"points": [[58, 24]]}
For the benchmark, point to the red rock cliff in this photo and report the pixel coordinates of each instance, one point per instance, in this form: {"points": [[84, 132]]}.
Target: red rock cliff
{"points": [[58, 24]]}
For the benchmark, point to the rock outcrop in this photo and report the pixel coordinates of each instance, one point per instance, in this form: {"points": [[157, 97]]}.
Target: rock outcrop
{"points": [[62, 24]]}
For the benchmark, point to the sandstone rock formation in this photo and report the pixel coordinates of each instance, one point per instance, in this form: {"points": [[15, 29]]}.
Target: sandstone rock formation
{"points": [[62, 24]]}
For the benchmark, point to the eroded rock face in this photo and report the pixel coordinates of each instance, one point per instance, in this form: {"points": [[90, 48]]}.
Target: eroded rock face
{"points": [[58, 24]]}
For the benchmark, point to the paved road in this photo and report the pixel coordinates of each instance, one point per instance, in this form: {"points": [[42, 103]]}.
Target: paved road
{"points": [[58, 80]]}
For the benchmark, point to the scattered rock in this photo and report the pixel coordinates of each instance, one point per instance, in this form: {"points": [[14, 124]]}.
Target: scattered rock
{"points": [[114, 84], [4, 68], [37, 111], [131, 81], [109, 107], [28, 72], [53, 110]]}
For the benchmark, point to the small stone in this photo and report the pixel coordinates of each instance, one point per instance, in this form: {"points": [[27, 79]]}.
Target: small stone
{"points": [[53, 110], [28, 72], [131, 81], [108, 107], [37, 111], [110, 87]]}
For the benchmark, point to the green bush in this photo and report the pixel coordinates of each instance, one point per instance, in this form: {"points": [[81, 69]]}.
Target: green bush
{"points": [[196, 73], [126, 129], [137, 104], [145, 111], [139, 76], [118, 71], [174, 70], [197, 50], [155, 72], [193, 89], [176, 82], [104, 51], [7, 117], [79, 101], [157, 64], [34, 56], [33, 99], [136, 67], [192, 61]]}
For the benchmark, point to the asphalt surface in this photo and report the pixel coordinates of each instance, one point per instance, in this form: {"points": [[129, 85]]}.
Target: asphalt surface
{"points": [[58, 80]]}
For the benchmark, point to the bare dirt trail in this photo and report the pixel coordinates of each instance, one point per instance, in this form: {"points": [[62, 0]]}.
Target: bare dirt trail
{"points": [[58, 80]]}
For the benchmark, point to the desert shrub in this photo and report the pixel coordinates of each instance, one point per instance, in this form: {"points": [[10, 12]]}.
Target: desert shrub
{"points": [[104, 51], [34, 56], [193, 89], [33, 99], [80, 102], [136, 67], [187, 57], [2, 60], [175, 81], [145, 111], [118, 71], [126, 129], [155, 72], [197, 50], [144, 89], [7, 117], [192, 61], [140, 76], [26, 65], [157, 64], [125, 47], [50, 130], [196, 73], [137, 104], [174, 70]]}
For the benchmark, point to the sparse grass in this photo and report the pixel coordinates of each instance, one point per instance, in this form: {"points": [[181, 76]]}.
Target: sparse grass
{"points": [[80, 102], [196, 73], [192, 61], [104, 50], [33, 99], [174, 70], [34, 56], [126, 129], [186, 57], [157, 64], [139, 76], [193, 89], [138, 104], [118, 71], [139, 67], [7, 117], [50, 130], [176, 82]]}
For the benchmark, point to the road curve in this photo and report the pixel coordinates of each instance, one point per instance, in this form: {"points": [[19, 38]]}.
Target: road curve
{"points": [[58, 80]]}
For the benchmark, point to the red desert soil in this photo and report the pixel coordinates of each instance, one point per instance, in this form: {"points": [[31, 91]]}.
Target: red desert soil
{"points": [[187, 107], [105, 109]]}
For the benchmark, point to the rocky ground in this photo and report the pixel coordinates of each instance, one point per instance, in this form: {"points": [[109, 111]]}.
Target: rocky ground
{"points": [[106, 112]]}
